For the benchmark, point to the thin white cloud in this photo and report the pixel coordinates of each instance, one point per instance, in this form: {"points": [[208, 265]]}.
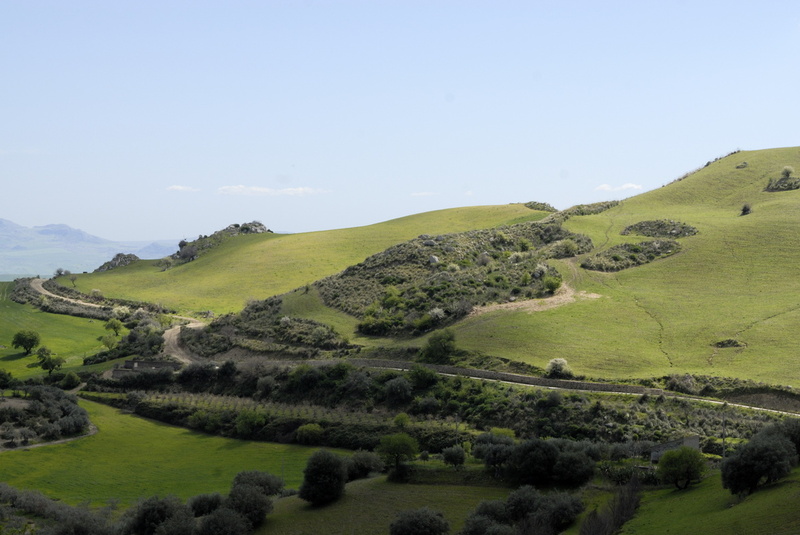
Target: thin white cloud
{"points": [[469, 193], [181, 188], [424, 194], [255, 191], [607, 187]]}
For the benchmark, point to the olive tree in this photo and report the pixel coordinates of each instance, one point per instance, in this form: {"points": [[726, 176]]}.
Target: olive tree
{"points": [[680, 467], [323, 478], [26, 340]]}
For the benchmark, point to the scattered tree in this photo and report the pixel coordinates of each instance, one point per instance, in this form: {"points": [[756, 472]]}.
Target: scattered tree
{"points": [[787, 171], [680, 467], [114, 325], [767, 457], [422, 521], [26, 340], [455, 456], [323, 478], [398, 448], [72, 278], [746, 209], [48, 361]]}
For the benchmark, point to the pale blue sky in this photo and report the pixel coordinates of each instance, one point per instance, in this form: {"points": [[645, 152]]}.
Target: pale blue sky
{"points": [[165, 119]]}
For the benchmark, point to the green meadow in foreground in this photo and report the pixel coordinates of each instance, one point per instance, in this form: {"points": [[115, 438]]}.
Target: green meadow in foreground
{"points": [[263, 265], [369, 506], [131, 458], [69, 338], [708, 508]]}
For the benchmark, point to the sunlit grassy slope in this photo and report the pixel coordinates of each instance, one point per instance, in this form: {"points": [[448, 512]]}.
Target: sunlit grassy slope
{"points": [[259, 266], [738, 278], [69, 338], [131, 458], [708, 508]]}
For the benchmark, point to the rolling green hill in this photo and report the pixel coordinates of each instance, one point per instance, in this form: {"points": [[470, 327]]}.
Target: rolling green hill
{"points": [[736, 279], [259, 266], [708, 508]]}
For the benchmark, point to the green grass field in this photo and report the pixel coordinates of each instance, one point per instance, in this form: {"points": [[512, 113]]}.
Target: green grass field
{"points": [[370, 505], [131, 457], [69, 338], [708, 508], [259, 266]]}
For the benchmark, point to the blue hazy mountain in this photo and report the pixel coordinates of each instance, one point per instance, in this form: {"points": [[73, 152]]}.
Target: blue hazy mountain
{"points": [[26, 251]]}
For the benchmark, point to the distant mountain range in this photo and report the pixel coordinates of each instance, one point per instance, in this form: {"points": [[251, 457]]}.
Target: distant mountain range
{"points": [[26, 251]]}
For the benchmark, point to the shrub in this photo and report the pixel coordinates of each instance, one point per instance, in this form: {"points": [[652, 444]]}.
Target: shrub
{"points": [[70, 381], [558, 369], [362, 463], [309, 434], [250, 502], [224, 521], [422, 521], [205, 504], [270, 485], [323, 478], [147, 517], [398, 391], [746, 209], [440, 347]]}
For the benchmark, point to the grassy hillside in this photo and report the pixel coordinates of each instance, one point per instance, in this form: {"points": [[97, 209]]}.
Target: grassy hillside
{"points": [[738, 278], [259, 266], [68, 337], [708, 508], [131, 457]]}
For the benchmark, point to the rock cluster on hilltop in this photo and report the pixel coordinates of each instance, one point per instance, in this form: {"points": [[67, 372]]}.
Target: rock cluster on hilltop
{"points": [[119, 260], [188, 251]]}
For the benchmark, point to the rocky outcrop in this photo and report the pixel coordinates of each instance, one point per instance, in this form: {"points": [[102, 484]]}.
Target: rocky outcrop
{"points": [[119, 260]]}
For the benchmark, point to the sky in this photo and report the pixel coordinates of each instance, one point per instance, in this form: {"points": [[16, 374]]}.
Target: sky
{"points": [[145, 120]]}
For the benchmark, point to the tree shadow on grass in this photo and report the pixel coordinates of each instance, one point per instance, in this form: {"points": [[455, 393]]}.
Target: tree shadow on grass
{"points": [[15, 356]]}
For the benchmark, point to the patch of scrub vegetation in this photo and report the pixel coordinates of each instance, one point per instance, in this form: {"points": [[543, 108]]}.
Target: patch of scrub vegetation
{"points": [[660, 228], [44, 414], [262, 327], [629, 255], [540, 206], [786, 182], [580, 209], [432, 281]]}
